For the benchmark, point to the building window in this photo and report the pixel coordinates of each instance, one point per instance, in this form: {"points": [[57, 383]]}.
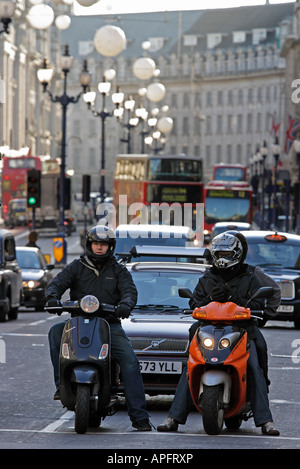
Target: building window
{"points": [[229, 154], [220, 98], [230, 98], [240, 123], [186, 127], [174, 100], [229, 124], [218, 154], [207, 155], [249, 122], [208, 125], [186, 100], [240, 97], [250, 96], [219, 124], [208, 99]]}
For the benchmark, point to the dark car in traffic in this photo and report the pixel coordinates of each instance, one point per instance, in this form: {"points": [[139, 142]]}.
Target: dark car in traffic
{"points": [[278, 254], [36, 275], [10, 277], [158, 326]]}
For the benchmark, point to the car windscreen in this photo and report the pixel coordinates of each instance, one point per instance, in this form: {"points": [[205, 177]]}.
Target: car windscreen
{"points": [[28, 260], [271, 254], [161, 288], [123, 245]]}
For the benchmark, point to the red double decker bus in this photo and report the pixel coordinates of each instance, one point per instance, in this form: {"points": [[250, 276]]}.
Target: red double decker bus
{"points": [[14, 178], [229, 172], [227, 201], [157, 180]]}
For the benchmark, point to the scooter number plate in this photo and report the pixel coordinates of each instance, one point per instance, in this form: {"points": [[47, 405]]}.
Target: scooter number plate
{"points": [[160, 367]]}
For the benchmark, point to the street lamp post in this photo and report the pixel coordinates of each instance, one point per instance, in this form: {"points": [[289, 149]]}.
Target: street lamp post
{"points": [[296, 145], [276, 153], [45, 75], [89, 98], [264, 153], [132, 122], [7, 9]]}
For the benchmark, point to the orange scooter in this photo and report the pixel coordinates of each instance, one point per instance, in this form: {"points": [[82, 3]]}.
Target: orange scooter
{"points": [[217, 364]]}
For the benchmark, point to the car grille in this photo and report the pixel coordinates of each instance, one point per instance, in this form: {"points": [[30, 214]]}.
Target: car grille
{"points": [[287, 288], [159, 345]]}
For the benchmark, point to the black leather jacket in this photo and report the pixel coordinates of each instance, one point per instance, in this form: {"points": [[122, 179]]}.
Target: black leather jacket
{"points": [[243, 285], [111, 283]]}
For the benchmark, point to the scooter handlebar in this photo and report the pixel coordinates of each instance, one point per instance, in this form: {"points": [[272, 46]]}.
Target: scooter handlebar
{"points": [[257, 314], [74, 306]]}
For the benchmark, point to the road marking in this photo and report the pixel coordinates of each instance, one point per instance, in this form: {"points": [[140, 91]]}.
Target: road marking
{"points": [[50, 429], [284, 367], [281, 401], [54, 425], [19, 334]]}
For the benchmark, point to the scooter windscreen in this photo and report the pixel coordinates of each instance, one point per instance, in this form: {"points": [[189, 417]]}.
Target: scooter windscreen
{"points": [[89, 304]]}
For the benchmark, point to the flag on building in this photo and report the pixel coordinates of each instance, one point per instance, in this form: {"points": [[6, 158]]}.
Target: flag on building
{"points": [[292, 129], [275, 127]]}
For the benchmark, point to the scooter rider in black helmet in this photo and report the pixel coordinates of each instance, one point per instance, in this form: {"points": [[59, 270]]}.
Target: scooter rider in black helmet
{"points": [[229, 279], [98, 273]]}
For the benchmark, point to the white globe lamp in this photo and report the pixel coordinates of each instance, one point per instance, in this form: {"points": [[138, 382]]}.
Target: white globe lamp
{"points": [[109, 40], [40, 16], [156, 92], [165, 124], [144, 68]]}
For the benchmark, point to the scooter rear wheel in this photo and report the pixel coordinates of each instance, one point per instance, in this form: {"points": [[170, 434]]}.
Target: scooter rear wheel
{"points": [[82, 408], [212, 409]]}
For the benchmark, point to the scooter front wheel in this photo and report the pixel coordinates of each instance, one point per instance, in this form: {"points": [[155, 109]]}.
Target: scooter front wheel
{"points": [[82, 408], [212, 409]]}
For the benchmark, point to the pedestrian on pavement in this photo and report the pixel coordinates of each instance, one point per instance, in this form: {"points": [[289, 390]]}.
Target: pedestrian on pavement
{"points": [[32, 239]]}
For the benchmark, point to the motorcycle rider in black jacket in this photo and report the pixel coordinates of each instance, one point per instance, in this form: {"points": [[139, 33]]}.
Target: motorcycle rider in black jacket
{"points": [[98, 273], [229, 279]]}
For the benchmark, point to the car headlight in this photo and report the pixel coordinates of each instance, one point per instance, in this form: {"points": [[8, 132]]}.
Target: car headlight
{"points": [[31, 284]]}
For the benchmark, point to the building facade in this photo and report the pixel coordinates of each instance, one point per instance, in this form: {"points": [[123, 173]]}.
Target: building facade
{"points": [[224, 77], [224, 72]]}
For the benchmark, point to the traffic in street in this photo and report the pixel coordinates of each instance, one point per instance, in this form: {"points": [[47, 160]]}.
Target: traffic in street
{"points": [[30, 418]]}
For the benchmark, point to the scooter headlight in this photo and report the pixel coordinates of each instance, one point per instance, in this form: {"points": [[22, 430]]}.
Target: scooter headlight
{"points": [[208, 343], [89, 304], [224, 343], [205, 339]]}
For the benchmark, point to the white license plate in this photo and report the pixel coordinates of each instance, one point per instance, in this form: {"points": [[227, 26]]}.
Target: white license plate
{"points": [[285, 309], [160, 367]]}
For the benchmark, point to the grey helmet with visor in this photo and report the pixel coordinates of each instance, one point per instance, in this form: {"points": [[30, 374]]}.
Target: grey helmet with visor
{"points": [[226, 251]]}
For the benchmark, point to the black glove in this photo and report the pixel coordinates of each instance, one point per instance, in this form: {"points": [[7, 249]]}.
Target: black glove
{"points": [[123, 311], [220, 293], [53, 306]]}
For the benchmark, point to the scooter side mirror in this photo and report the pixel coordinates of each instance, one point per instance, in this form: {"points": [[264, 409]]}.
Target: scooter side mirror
{"points": [[185, 293], [263, 292]]}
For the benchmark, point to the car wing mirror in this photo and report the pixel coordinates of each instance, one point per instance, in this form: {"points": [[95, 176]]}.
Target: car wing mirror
{"points": [[185, 293]]}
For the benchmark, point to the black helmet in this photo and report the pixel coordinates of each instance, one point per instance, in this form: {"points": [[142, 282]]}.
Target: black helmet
{"points": [[226, 251], [100, 234]]}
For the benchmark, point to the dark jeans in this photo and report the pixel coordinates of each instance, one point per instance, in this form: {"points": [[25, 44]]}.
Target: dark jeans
{"points": [[182, 402], [123, 353]]}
